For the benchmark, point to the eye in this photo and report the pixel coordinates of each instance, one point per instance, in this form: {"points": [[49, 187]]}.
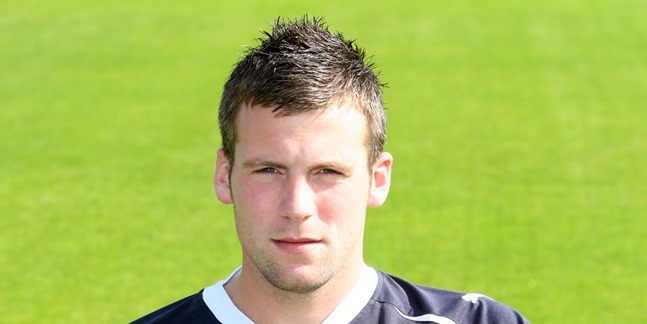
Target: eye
{"points": [[267, 170], [329, 171]]}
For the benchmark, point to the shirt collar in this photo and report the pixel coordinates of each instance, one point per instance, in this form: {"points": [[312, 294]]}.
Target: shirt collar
{"points": [[225, 311]]}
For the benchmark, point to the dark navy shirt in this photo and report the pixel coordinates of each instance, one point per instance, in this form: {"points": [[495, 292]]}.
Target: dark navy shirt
{"points": [[393, 300]]}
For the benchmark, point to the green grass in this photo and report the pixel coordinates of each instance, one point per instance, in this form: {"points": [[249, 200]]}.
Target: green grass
{"points": [[519, 132]]}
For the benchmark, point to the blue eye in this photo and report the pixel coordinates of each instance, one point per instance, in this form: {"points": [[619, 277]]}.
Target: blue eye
{"points": [[329, 171], [267, 170]]}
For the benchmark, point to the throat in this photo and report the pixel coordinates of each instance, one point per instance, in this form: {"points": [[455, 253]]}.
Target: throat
{"points": [[264, 303]]}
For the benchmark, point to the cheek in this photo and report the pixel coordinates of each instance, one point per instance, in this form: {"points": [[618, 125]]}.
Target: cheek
{"points": [[344, 205], [254, 204], [249, 193]]}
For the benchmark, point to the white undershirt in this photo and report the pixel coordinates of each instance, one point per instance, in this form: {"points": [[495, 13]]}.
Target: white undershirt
{"points": [[226, 312]]}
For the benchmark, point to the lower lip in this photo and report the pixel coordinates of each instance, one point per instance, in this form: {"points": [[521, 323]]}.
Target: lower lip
{"points": [[296, 247]]}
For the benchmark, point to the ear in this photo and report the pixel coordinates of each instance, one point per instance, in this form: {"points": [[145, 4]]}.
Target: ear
{"points": [[380, 180], [221, 178]]}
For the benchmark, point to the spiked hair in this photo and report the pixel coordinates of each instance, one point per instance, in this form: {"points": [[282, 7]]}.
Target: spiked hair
{"points": [[301, 66]]}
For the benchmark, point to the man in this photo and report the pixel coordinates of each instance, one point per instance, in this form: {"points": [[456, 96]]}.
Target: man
{"points": [[303, 128]]}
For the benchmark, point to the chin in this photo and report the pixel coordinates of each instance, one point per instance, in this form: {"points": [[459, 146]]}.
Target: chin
{"points": [[298, 280], [298, 286]]}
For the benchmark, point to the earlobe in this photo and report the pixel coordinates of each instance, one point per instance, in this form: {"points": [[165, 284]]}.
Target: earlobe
{"points": [[221, 178], [380, 180]]}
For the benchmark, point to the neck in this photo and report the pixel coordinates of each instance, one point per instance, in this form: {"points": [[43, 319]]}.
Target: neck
{"points": [[264, 303]]}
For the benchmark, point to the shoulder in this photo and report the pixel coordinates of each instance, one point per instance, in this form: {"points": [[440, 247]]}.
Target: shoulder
{"points": [[397, 300], [191, 309]]}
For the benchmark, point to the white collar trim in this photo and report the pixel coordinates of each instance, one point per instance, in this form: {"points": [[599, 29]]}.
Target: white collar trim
{"points": [[225, 311], [221, 305], [356, 300]]}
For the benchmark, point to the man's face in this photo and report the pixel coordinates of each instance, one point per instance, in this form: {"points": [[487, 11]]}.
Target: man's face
{"points": [[300, 187]]}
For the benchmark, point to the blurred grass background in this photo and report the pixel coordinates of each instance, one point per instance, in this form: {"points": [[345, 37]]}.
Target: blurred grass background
{"points": [[519, 131]]}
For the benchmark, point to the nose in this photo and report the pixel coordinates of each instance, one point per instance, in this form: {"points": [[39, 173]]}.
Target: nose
{"points": [[298, 201]]}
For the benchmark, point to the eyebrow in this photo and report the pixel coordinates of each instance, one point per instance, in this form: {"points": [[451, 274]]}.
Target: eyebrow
{"points": [[254, 163]]}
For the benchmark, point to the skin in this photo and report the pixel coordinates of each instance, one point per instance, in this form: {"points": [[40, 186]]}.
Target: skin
{"points": [[300, 188]]}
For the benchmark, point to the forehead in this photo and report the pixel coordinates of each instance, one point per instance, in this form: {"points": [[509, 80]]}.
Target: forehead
{"points": [[337, 127]]}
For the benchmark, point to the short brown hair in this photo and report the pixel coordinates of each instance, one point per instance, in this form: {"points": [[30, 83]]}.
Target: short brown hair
{"points": [[301, 66]]}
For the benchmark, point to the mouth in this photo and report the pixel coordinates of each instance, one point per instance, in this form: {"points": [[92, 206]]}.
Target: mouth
{"points": [[296, 245]]}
